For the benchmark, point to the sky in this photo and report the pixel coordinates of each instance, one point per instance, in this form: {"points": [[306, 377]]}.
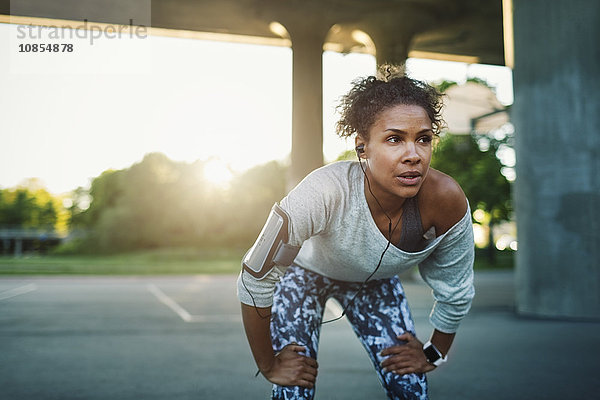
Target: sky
{"points": [[65, 117]]}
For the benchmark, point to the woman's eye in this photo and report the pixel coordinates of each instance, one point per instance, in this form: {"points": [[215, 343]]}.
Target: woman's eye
{"points": [[425, 139], [393, 139]]}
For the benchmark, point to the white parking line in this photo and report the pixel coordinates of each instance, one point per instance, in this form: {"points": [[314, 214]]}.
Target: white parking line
{"points": [[7, 294], [182, 312]]}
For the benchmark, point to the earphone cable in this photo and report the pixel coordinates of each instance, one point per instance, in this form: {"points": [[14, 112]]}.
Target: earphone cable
{"points": [[372, 194], [390, 232]]}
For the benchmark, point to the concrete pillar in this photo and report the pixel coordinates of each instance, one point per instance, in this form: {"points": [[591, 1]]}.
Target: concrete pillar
{"points": [[393, 30], [307, 99], [557, 191], [390, 49]]}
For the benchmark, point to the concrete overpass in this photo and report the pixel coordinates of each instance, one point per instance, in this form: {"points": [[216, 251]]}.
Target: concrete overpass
{"points": [[556, 106]]}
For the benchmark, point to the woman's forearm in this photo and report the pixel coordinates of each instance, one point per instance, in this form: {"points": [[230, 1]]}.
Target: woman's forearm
{"points": [[259, 336], [442, 341]]}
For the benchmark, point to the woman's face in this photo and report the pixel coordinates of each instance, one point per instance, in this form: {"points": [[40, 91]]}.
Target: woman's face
{"points": [[398, 151]]}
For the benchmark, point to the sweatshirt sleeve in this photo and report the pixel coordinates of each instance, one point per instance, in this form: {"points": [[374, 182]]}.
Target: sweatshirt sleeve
{"points": [[307, 206], [449, 272], [259, 293]]}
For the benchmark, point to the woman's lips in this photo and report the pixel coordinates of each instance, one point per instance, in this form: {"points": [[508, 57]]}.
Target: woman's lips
{"points": [[410, 178]]}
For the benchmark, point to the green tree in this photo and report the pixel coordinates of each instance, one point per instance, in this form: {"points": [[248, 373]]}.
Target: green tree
{"points": [[3, 207], [21, 211], [348, 155], [130, 207], [48, 216], [79, 204], [250, 199], [29, 207], [479, 174], [158, 202]]}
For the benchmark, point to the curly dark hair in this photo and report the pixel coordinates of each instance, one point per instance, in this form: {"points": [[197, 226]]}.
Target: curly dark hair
{"points": [[371, 95]]}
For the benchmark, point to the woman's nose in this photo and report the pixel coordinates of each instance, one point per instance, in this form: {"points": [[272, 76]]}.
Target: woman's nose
{"points": [[410, 154]]}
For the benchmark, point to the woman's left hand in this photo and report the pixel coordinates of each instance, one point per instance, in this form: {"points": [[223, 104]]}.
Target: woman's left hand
{"points": [[406, 358]]}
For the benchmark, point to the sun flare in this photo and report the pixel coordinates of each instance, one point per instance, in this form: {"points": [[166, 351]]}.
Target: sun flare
{"points": [[217, 172]]}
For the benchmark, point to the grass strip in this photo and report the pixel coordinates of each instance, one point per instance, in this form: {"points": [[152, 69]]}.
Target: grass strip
{"points": [[149, 262]]}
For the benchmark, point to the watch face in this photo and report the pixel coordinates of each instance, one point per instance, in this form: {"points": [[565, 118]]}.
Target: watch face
{"points": [[431, 354]]}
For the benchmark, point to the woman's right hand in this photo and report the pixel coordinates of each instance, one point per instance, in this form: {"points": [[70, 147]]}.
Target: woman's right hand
{"points": [[290, 368]]}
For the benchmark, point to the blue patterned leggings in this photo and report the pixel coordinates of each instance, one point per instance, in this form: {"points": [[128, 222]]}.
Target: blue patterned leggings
{"points": [[378, 315]]}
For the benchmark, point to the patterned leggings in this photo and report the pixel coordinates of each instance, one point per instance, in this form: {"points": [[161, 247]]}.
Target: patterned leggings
{"points": [[378, 315]]}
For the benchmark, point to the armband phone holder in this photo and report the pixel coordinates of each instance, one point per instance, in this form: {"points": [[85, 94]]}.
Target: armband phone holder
{"points": [[271, 248]]}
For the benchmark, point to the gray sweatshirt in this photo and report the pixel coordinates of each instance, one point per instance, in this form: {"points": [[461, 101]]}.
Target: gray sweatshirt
{"points": [[330, 219]]}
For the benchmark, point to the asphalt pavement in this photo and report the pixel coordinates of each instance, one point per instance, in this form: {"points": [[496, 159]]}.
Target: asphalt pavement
{"points": [[181, 337]]}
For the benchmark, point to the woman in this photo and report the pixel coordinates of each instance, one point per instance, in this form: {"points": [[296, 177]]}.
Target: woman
{"points": [[359, 225]]}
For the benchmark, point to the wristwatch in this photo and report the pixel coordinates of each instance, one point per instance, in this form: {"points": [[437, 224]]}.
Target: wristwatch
{"points": [[433, 355]]}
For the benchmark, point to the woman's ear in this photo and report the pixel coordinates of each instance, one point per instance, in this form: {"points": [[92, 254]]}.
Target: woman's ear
{"points": [[360, 147]]}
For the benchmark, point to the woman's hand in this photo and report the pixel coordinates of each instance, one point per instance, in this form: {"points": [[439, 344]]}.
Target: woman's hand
{"points": [[290, 368], [406, 358]]}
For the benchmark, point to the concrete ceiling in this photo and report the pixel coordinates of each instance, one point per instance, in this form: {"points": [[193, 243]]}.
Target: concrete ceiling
{"points": [[444, 29]]}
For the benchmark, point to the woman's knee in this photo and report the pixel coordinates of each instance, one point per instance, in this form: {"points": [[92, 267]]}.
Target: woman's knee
{"points": [[405, 387]]}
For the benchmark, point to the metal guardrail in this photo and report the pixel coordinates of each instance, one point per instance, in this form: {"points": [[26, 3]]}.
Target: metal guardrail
{"points": [[16, 238], [29, 234]]}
